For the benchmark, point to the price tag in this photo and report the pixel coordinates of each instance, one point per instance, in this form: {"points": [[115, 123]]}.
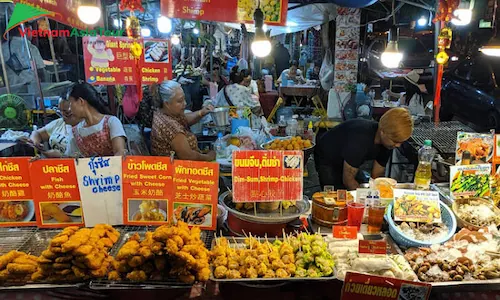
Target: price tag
{"points": [[372, 247], [369, 287], [342, 196], [345, 232]]}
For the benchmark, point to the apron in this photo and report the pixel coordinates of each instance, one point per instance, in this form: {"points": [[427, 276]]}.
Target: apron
{"points": [[96, 144]]}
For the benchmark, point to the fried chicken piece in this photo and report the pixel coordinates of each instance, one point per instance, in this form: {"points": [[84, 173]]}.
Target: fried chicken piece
{"points": [[79, 272], [4, 275], [179, 241], [79, 264], [114, 276], [233, 264], [129, 249], [38, 275], [101, 272], [270, 274], [59, 266], [136, 261], [221, 261], [58, 240], [83, 250], [171, 247], [49, 254], [262, 269], [44, 260], [80, 237], [281, 273], [107, 242], [146, 252], [14, 268], [56, 250], [220, 272], [233, 274], [46, 267], [252, 273], [25, 260], [164, 233], [157, 248], [63, 272], [94, 260], [137, 275], [64, 259]]}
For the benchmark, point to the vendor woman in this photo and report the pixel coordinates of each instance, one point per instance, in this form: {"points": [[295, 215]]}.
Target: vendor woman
{"points": [[98, 134], [340, 152], [171, 131]]}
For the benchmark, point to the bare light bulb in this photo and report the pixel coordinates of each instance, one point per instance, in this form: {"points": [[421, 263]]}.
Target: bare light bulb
{"points": [[89, 14], [175, 40], [261, 48]]}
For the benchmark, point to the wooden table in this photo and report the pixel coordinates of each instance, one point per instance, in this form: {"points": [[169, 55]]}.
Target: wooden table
{"points": [[299, 90]]}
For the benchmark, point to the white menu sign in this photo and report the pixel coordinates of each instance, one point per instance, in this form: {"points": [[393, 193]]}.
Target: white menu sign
{"points": [[100, 184]]}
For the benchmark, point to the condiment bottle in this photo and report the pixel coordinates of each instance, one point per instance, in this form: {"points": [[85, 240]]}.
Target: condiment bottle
{"points": [[282, 126]]}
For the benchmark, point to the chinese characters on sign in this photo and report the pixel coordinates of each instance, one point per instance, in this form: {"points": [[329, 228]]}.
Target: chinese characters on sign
{"points": [[56, 194], [346, 47], [16, 201], [267, 176]]}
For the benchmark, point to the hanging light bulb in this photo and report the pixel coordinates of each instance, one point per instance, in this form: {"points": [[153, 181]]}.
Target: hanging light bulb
{"points": [[196, 31], [422, 21], [462, 17], [145, 32], [175, 40], [261, 46], [391, 56], [164, 24], [264, 27], [88, 12]]}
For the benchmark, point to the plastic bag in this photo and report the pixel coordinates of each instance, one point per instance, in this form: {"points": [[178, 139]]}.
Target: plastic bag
{"points": [[326, 72]]}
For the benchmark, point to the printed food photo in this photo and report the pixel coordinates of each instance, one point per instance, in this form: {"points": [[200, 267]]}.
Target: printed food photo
{"points": [[147, 210], [64, 212], [17, 211], [193, 214]]}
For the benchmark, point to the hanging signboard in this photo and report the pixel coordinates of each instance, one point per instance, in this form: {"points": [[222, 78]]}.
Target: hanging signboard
{"points": [[233, 11], [108, 60], [100, 185], [261, 176], [56, 194], [64, 11], [346, 47], [147, 190], [196, 187], [370, 287], [16, 202], [157, 61]]}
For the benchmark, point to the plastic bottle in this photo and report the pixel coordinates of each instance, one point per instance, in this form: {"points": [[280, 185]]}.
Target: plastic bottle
{"points": [[219, 146], [282, 126], [310, 133], [423, 174]]}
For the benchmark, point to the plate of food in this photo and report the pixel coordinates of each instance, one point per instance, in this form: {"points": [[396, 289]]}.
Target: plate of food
{"points": [[476, 213], [16, 211]]}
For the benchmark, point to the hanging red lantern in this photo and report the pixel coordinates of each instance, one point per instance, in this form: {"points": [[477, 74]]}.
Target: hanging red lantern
{"points": [[131, 5]]}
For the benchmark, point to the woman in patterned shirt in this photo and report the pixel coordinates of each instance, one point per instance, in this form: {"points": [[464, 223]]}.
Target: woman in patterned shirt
{"points": [[171, 131]]}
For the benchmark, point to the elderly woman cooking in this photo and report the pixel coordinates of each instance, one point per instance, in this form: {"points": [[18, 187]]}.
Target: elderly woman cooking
{"points": [[171, 131]]}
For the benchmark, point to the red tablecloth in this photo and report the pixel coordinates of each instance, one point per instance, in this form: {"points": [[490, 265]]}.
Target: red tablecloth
{"points": [[267, 101]]}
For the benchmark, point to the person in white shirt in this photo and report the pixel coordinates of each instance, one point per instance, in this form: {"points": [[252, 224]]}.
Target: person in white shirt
{"points": [[98, 134], [293, 73], [57, 133]]}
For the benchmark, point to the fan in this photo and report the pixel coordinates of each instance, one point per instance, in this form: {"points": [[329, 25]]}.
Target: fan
{"points": [[12, 112]]}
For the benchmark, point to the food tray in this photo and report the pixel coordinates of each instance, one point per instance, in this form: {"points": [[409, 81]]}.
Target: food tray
{"points": [[165, 283], [240, 243], [465, 224], [39, 241], [15, 238]]}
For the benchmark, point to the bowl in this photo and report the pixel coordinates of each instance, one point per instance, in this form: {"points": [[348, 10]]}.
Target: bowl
{"points": [[464, 224], [403, 240], [221, 215], [307, 151]]}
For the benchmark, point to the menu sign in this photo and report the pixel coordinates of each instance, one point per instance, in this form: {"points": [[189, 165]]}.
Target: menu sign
{"points": [[480, 147], [370, 287], [346, 47], [196, 187], [261, 176], [470, 181], [372, 247], [16, 202], [416, 206], [56, 194], [157, 65], [108, 60], [155, 191], [345, 232], [147, 190], [100, 185], [234, 11], [64, 11]]}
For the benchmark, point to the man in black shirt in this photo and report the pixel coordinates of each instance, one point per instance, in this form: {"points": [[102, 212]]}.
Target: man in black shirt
{"points": [[340, 152]]}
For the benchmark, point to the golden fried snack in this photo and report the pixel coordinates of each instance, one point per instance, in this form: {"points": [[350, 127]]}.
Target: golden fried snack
{"points": [[52, 211], [56, 250], [136, 261], [130, 248], [49, 254], [58, 240], [83, 250], [114, 276], [44, 260], [137, 275], [25, 260], [78, 264], [60, 266], [64, 259], [94, 260], [4, 275], [79, 272], [76, 240], [14, 268], [8, 257]]}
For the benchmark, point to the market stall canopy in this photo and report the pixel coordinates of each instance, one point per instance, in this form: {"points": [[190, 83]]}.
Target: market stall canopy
{"points": [[299, 19]]}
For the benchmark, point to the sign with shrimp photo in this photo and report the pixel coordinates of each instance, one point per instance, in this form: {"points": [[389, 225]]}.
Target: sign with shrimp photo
{"points": [[268, 176], [233, 11], [56, 193], [16, 201]]}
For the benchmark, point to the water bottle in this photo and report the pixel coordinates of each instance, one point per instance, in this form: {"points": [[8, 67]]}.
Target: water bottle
{"points": [[219, 146], [423, 174]]}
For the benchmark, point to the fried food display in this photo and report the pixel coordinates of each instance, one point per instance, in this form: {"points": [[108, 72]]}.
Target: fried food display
{"points": [[302, 256], [52, 211], [171, 251], [294, 143], [13, 210], [77, 254], [17, 267]]}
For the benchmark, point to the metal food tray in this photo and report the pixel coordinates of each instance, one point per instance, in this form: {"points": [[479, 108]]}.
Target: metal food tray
{"points": [[125, 233], [39, 241], [240, 243], [15, 238]]}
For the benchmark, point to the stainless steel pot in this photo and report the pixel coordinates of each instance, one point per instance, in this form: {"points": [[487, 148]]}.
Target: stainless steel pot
{"points": [[220, 116]]}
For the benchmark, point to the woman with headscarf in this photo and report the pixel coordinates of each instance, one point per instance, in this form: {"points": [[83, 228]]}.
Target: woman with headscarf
{"points": [[98, 134], [171, 131]]}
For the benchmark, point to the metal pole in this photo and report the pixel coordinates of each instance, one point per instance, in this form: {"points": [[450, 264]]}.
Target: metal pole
{"points": [[52, 52], [34, 69]]}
